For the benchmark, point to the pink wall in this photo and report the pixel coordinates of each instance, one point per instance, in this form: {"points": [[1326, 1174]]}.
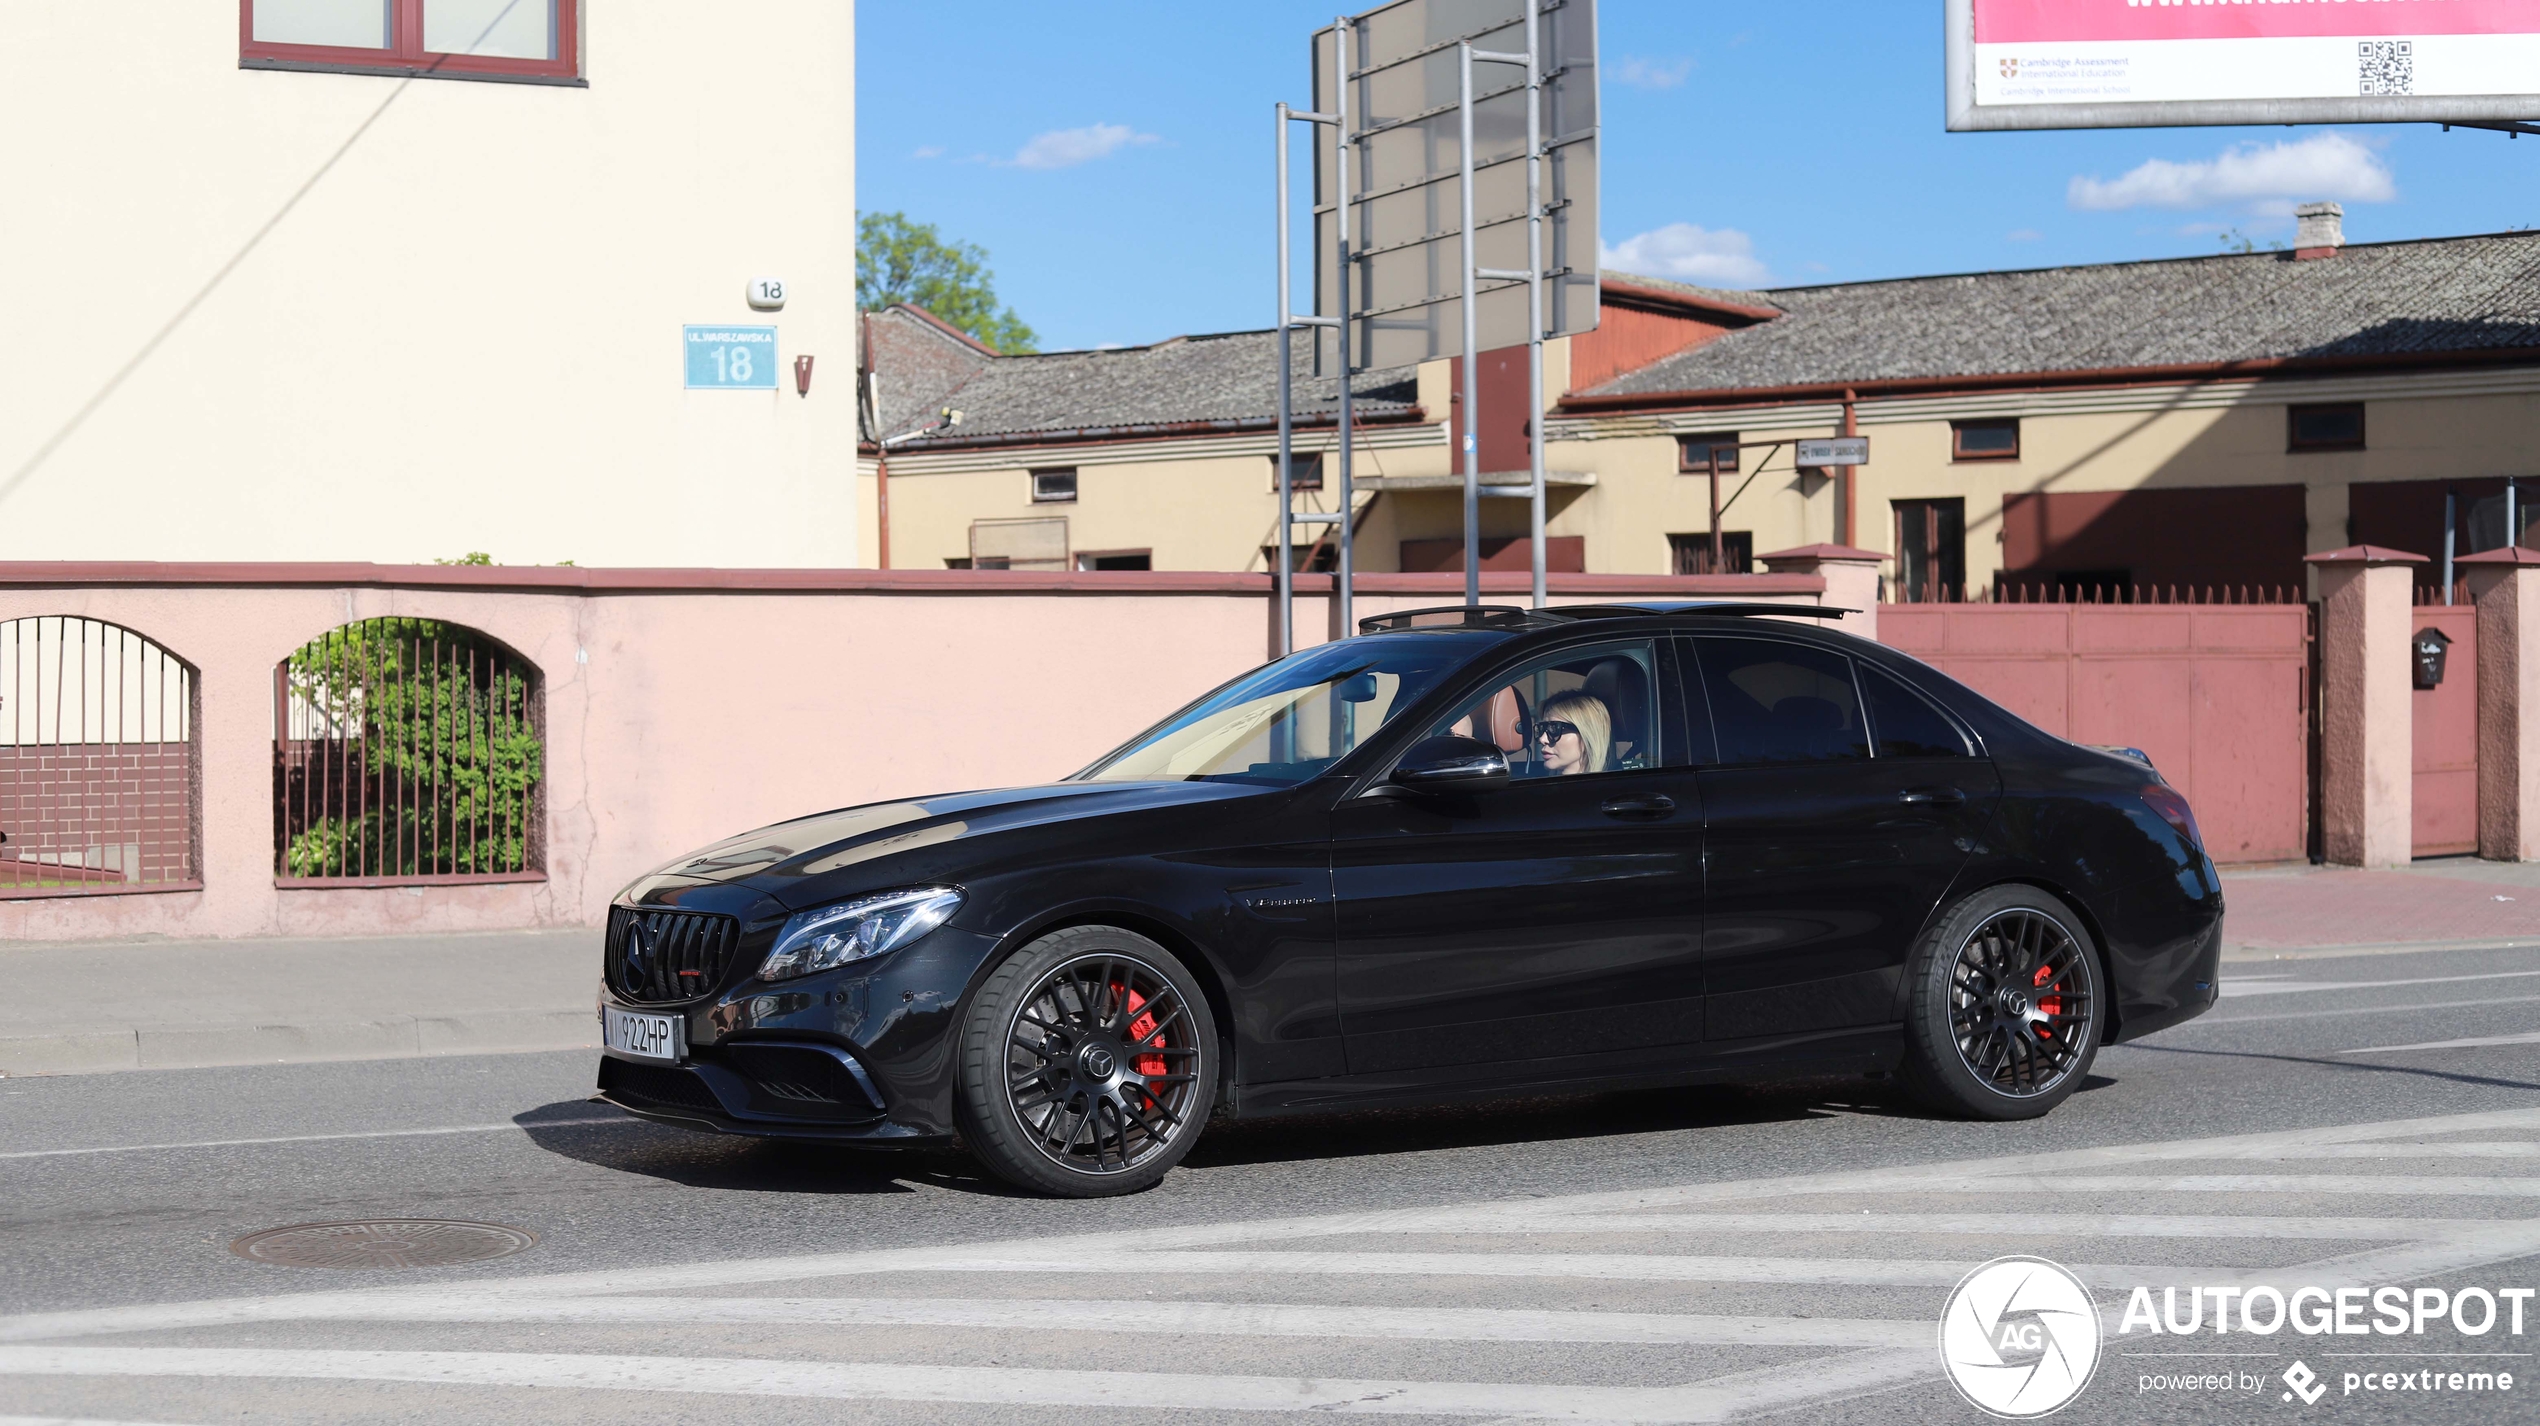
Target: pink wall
{"points": [[685, 705], [2214, 694]]}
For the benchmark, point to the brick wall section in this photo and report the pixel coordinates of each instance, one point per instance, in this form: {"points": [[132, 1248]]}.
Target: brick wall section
{"points": [[100, 816]]}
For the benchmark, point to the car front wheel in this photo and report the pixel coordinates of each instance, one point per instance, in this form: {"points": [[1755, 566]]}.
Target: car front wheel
{"points": [[1089, 1064], [2007, 1007]]}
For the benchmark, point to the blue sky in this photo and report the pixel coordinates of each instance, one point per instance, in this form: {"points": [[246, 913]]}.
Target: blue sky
{"points": [[1114, 158]]}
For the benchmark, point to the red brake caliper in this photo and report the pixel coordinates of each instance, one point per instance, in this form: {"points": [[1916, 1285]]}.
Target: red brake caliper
{"points": [[1139, 1029], [2048, 1004]]}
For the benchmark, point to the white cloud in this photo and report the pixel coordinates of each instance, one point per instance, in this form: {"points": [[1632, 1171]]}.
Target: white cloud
{"points": [[2268, 178], [929, 151], [1688, 253], [1066, 148], [1642, 73], [2024, 235]]}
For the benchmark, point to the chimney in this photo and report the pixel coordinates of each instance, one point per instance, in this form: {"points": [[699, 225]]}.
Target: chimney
{"points": [[2319, 231]]}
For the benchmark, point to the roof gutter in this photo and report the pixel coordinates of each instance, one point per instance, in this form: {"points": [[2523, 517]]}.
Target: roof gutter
{"points": [[2249, 370], [1112, 435], [1659, 296]]}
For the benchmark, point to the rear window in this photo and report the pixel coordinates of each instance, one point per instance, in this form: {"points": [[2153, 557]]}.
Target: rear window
{"points": [[1773, 702]]}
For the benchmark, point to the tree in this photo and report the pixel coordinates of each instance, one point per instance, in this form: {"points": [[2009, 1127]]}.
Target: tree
{"points": [[900, 261]]}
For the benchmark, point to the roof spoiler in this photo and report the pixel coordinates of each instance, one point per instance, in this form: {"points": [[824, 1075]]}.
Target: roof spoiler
{"points": [[1505, 614]]}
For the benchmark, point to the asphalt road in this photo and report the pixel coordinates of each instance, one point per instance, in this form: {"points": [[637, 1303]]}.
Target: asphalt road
{"points": [[1782, 1251]]}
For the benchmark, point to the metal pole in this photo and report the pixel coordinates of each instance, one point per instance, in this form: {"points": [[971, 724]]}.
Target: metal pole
{"points": [[1472, 354], [1534, 290], [1718, 564], [1285, 581], [2451, 523], [1342, 274], [2513, 522]]}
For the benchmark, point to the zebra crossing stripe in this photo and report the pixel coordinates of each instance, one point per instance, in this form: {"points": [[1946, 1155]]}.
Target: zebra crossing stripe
{"points": [[1178, 1318], [888, 1381]]}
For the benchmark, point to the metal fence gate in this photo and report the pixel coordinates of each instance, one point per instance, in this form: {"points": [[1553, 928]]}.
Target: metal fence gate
{"points": [[2443, 795], [98, 766], [2216, 694], [406, 751]]}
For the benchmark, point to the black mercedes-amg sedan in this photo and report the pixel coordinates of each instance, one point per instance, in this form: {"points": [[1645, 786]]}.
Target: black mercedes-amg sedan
{"points": [[1468, 853]]}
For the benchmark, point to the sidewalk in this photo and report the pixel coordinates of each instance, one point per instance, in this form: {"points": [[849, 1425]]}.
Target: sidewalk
{"points": [[2295, 912], [74, 1008]]}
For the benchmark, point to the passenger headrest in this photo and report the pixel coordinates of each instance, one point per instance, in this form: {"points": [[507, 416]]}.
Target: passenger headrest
{"points": [[1508, 721]]}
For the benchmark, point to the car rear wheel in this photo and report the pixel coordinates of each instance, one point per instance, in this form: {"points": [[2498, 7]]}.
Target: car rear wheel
{"points": [[1089, 1064], [2007, 1007]]}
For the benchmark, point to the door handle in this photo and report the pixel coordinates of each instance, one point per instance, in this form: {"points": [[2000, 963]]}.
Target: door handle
{"points": [[1931, 796], [1639, 804]]}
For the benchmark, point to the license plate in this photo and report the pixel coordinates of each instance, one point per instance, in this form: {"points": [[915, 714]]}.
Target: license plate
{"points": [[643, 1037]]}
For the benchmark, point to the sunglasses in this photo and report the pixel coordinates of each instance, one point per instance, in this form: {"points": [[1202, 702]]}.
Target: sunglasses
{"points": [[1554, 730]]}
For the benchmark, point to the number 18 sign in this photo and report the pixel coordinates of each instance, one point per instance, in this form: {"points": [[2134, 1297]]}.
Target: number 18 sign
{"points": [[731, 358]]}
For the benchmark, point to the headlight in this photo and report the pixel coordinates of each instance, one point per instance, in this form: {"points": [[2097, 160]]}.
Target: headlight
{"points": [[827, 937]]}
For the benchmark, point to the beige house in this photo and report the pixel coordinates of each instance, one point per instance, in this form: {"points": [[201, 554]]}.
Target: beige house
{"points": [[2202, 421], [400, 279]]}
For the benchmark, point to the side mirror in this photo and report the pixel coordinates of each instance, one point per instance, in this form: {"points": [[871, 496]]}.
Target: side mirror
{"points": [[1452, 764]]}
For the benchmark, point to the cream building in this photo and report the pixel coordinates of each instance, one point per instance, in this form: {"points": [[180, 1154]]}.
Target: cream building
{"points": [[2203, 421], [401, 279]]}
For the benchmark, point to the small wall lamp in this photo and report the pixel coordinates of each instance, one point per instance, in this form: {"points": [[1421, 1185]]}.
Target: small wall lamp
{"points": [[802, 375]]}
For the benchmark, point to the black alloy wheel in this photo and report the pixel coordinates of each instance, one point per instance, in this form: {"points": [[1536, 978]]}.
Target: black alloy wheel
{"points": [[2006, 1012], [1088, 1064]]}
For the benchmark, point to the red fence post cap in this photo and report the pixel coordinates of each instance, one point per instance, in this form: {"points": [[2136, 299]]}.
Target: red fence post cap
{"points": [[2366, 555], [2510, 554], [1824, 554]]}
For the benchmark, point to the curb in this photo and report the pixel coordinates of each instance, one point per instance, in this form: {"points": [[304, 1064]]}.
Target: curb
{"points": [[2246, 954], [153, 1047]]}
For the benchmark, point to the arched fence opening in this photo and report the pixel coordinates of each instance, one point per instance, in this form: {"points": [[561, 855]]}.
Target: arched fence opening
{"points": [[407, 750], [99, 772]]}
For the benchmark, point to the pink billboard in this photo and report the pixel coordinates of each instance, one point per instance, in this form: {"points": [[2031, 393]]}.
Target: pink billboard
{"points": [[2022, 64]]}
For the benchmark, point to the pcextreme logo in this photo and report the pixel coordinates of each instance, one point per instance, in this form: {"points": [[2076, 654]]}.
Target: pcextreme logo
{"points": [[2019, 1338]]}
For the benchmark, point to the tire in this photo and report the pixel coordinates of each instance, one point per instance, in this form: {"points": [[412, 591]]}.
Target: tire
{"points": [[2008, 1005], [1088, 1064]]}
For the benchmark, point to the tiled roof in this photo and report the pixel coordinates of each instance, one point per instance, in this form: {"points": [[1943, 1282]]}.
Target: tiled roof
{"points": [[2384, 299], [1227, 380]]}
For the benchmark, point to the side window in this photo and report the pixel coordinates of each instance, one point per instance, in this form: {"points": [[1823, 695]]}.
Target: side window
{"points": [[1575, 712], [1775, 702], [1905, 724]]}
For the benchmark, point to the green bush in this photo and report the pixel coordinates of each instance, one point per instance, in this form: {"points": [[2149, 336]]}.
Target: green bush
{"points": [[449, 750]]}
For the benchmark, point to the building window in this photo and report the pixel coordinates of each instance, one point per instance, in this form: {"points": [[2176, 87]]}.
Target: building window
{"points": [[1931, 551], [1304, 473], [1693, 452], [536, 41], [1115, 559], [2338, 426], [1984, 440], [1050, 487], [1691, 554]]}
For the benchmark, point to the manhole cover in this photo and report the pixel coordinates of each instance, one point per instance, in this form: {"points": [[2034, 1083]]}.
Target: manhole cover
{"points": [[384, 1243]]}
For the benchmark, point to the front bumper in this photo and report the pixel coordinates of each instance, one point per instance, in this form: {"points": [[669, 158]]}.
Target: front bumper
{"points": [[864, 1054]]}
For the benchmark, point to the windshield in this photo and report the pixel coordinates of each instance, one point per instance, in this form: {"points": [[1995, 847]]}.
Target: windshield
{"points": [[1287, 721]]}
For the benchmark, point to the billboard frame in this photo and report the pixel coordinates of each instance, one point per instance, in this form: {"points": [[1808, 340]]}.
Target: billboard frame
{"points": [[1966, 116]]}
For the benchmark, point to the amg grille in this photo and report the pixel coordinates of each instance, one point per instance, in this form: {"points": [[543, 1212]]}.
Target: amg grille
{"points": [[665, 957], [657, 1084]]}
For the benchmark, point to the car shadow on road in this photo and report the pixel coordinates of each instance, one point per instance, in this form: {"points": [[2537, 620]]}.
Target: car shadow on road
{"points": [[719, 1161], [1500, 1122]]}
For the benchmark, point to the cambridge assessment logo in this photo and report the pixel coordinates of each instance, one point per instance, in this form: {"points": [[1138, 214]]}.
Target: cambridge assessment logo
{"points": [[2020, 1337]]}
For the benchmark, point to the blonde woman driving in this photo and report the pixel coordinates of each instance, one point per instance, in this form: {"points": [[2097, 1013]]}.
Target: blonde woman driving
{"points": [[1574, 734]]}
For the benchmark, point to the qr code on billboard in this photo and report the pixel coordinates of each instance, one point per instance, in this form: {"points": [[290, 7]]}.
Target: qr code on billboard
{"points": [[2386, 67]]}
